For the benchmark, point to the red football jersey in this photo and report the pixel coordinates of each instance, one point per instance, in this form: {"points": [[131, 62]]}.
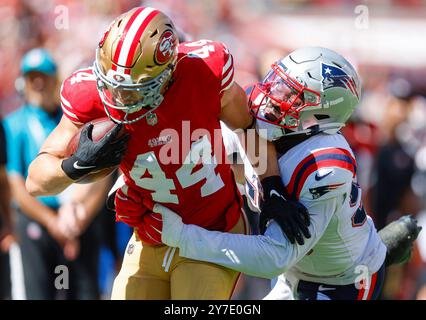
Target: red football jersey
{"points": [[176, 158]]}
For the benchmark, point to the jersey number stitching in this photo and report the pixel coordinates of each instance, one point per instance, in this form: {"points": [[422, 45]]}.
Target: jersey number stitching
{"points": [[200, 152], [202, 52], [360, 216], [82, 76]]}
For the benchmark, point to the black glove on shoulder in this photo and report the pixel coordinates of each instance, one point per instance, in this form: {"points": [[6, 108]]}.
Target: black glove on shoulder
{"points": [[94, 156], [292, 217]]}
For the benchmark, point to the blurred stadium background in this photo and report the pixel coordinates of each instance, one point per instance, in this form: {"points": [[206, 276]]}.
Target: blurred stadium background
{"points": [[385, 39]]}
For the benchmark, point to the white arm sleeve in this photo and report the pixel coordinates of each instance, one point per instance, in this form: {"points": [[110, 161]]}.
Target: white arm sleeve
{"points": [[261, 256]]}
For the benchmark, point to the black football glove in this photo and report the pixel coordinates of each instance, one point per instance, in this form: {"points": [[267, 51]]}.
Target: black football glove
{"points": [[292, 217], [94, 156], [399, 237]]}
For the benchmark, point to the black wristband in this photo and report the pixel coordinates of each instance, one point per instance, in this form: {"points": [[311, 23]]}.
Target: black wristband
{"points": [[270, 184], [73, 169]]}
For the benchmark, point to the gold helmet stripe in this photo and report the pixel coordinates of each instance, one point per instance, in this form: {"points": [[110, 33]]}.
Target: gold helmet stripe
{"points": [[128, 43], [123, 36], [133, 35]]}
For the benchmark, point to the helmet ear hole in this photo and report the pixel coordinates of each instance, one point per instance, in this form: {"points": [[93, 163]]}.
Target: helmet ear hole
{"points": [[310, 75], [154, 33], [321, 116], [337, 64]]}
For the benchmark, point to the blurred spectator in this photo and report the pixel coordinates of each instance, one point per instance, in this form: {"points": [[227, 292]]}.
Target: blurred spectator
{"points": [[363, 138], [394, 188], [392, 192], [48, 232], [6, 229]]}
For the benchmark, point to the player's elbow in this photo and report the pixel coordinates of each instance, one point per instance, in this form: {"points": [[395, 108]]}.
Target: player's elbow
{"points": [[270, 271], [278, 268], [274, 263], [34, 183], [33, 187]]}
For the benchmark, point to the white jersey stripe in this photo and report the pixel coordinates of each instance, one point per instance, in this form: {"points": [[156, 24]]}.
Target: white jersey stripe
{"points": [[69, 113], [228, 84], [225, 80], [125, 49], [227, 65], [65, 102]]}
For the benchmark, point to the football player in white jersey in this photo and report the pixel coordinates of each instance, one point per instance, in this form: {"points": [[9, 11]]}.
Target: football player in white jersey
{"points": [[302, 103]]}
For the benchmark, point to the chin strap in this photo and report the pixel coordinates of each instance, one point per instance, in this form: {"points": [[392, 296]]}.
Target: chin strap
{"points": [[330, 128], [125, 121], [287, 142]]}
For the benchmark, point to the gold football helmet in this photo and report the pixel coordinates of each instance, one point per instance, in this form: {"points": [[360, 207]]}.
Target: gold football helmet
{"points": [[134, 62]]}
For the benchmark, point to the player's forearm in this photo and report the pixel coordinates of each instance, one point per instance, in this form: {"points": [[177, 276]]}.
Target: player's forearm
{"points": [[46, 177], [260, 256], [261, 154], [92, 197], [28, 204], [271, 160]]}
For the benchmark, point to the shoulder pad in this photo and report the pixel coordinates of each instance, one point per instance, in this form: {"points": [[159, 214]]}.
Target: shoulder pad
{"points": [[323, 172], [214, 55], [325, 183], [80, 100]]}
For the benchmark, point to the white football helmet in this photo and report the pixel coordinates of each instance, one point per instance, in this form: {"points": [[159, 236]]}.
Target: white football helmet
{"points": [[312, 89]]}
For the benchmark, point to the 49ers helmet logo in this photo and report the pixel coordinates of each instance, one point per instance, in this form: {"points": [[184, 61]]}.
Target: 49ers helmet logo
{"points": [[165, 47], [118, 77]]}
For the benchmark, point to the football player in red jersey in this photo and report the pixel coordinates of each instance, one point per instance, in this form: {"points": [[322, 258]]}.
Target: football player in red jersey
{"points": [[169, 97]]}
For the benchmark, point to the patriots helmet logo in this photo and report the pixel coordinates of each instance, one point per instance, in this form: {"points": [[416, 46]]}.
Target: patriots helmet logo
{"points": [[333, 76], [320, 191]]}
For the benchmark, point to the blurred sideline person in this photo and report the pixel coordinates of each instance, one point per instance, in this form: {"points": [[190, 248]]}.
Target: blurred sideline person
{"points": [[51, 230], [6, 225], [302, 103], [148, 83]]}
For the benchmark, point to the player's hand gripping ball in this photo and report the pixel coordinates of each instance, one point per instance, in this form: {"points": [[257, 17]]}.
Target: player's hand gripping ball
{"points": [[95, 151]]}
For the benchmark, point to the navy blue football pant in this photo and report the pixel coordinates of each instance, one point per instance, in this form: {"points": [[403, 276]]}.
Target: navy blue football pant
{"points": [[365, 291]]}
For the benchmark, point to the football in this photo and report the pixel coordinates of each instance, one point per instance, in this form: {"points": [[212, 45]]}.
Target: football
{"points": [[101, 127]]}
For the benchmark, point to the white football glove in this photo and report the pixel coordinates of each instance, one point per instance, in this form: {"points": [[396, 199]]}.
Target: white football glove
{"points": [[172, 225]]}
